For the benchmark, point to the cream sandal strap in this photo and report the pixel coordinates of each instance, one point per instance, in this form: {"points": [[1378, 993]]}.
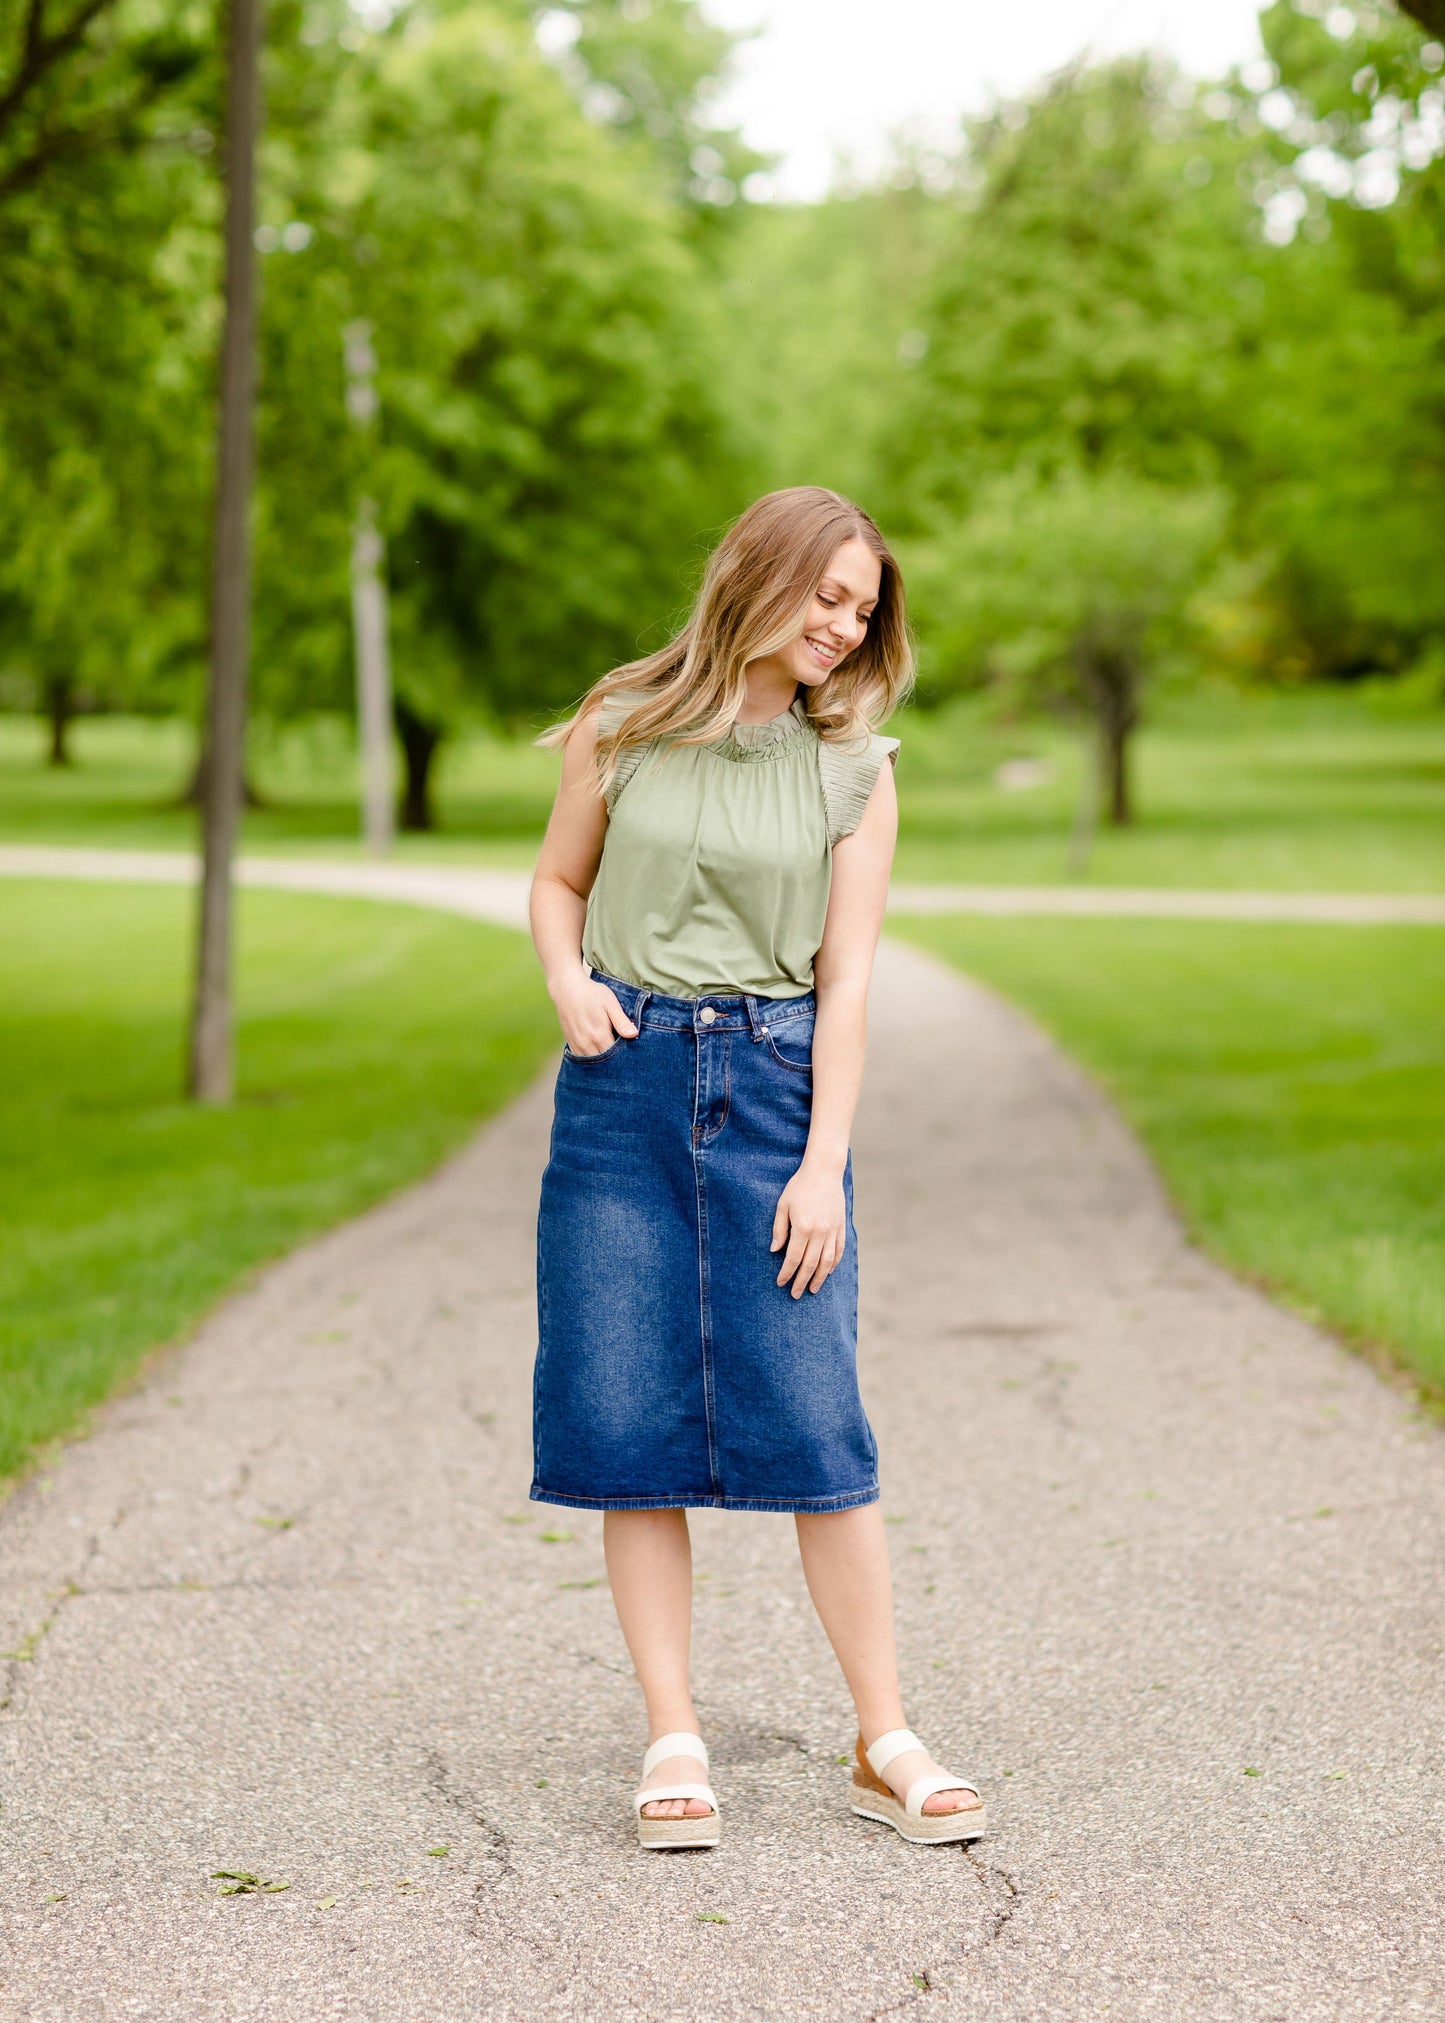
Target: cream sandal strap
{"points": [[923, 1788], [650, 1794], [882, 1752], [678, 1744]]}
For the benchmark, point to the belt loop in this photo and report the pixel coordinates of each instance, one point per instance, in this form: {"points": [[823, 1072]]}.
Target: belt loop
{"points": [[753, 1020], [639, 1008]]}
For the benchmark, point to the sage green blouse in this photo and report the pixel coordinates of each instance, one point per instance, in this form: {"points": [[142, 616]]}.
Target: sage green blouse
{"points": [[718, 857]]}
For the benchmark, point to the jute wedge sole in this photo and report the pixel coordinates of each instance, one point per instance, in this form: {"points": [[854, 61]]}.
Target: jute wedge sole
{"points": [[873, 1799], [704, 1829]]}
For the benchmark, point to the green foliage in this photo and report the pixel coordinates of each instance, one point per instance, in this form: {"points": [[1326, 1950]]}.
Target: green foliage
{"points": [[647, 68], [1084, 308], [106, 330], [1290, 1081], [371, 1039], [553, 426], [1043, 579], [821, 305], [1071, 590], [1344, 405], [552, 433], [593, 350]]}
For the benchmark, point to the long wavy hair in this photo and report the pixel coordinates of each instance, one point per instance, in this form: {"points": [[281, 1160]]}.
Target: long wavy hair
{"points": [[755, 598]]}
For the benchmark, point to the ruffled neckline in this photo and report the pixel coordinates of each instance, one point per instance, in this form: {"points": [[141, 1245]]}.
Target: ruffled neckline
{"points": [[765, 740]]}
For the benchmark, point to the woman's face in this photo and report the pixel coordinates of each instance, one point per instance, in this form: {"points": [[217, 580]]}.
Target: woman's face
{"points": [[837, 621]]}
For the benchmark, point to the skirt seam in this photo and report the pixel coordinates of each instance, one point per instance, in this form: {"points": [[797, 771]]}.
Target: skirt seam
{"points": [[700, 1500], [704, 1299]]}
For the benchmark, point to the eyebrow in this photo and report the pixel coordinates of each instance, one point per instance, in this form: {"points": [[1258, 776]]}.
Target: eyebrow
{"points": [[837, 583]]}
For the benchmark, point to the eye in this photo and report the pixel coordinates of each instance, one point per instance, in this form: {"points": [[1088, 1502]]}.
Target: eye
{"points": [[830, 603]]}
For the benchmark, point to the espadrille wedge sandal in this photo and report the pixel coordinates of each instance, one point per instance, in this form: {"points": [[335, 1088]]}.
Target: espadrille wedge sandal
{"points": [[873, 1799], [701, 1829]]}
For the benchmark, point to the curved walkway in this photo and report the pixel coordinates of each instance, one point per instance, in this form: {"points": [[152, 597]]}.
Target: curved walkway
{"points": [[1169, 1573], [502, 895]]}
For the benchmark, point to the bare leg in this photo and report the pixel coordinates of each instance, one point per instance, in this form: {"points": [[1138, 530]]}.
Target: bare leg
{"points": [[845, 1563], [649, 1565]]}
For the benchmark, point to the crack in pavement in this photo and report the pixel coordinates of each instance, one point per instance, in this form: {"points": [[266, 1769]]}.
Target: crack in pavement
{"points": [[1005, 1215], [31, 1640], [461, 1801], [933, 1980]]}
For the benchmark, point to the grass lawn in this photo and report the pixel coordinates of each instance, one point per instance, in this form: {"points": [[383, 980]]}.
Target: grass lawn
{"points": [[1324, 791], [1294, 792], [371, 1040], [1290, 1082], [122, 792]]}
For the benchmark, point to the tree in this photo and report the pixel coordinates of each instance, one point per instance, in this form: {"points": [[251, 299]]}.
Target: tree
{"points": [[1087, 303], [554, 436], [1073, 590], [105, 352], [211, 1067], [1343, 405], [648, 73], [81, 78]]}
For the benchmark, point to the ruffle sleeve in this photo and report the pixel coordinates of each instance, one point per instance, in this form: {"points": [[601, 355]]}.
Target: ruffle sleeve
{"points": [[849, 774], [612, 713]]}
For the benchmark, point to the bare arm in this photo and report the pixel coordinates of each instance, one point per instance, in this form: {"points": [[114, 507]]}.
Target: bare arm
{"points": [[811, 1216], [588, 1011]]}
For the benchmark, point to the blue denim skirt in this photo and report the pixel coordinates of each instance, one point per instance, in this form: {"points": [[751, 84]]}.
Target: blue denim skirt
{"points": [[672, 1369]]}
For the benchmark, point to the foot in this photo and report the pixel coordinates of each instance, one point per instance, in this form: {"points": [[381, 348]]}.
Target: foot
{"points": [[676, 1770], [904, 1772]]}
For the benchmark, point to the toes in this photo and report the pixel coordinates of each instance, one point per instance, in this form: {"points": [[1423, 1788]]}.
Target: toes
{"points": [[952, 1801]]}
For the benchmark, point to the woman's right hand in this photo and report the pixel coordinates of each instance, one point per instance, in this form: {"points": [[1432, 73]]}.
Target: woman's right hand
{"points": [[590, 1015]]}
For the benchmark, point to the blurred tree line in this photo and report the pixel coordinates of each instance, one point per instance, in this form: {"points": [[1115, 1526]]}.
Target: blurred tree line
{"points": [[1145, 375]]}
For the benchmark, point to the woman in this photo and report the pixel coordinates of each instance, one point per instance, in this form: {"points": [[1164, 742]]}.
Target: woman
{"points": [[706, 907]]}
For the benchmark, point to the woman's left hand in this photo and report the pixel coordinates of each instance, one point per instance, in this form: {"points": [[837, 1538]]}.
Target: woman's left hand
{"points": [[812, 1220]]}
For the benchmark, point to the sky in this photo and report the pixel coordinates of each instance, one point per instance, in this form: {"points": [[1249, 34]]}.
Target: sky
{"points": [[826, 75]]}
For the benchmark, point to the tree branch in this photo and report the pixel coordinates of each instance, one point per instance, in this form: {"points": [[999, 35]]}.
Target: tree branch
{"points": [[41, 52], [1429, 13], [55, 144]]}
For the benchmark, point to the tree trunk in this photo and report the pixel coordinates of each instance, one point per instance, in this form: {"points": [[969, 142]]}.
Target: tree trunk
{"points": [[1114, 758], [211, 1076], [59, 712], [1110, 679], [193, 793], [420, 737]]}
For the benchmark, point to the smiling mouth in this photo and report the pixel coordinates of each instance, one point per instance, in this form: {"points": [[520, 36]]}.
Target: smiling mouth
{"points": [[827, 654]]}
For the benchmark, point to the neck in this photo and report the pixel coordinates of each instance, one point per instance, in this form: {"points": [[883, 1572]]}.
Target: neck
{"points": [[770, 691]]}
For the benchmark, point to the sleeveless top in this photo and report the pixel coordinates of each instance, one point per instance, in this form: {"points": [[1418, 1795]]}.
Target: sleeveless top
{"points": [[717, 862]]}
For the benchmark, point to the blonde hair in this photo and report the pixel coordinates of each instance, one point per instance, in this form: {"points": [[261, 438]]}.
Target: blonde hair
{"points": [[755, 597]]}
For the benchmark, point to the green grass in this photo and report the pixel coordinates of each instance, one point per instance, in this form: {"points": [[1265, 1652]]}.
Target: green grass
{"points": [[1290, 1082], [1323, 791], [124, 789], [1294, 792], [371, 1039]]}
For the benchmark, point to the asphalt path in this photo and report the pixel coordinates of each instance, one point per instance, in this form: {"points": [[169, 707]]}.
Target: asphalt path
{"points": [[485, 893], [1169, 1586]]}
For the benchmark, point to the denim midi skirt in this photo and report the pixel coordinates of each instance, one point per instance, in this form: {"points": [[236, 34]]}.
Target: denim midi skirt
{"points": [[672, 1369]]}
